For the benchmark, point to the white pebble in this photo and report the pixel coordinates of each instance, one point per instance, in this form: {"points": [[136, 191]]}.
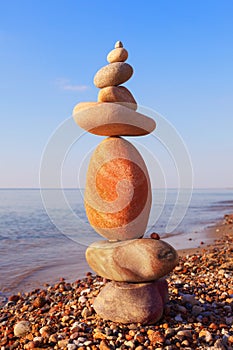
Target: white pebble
{"points": [[71, 347], [39, 339], [87, 343], [81, 339], [22, 328], [186, 333], [82, 299], [74, 325], [85, 291]]}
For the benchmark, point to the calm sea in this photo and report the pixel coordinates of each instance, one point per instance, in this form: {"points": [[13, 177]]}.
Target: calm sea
{"points": [[41, 242]]}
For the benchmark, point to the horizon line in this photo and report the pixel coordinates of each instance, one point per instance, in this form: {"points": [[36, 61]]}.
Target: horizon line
{"points": [[78, 188]]}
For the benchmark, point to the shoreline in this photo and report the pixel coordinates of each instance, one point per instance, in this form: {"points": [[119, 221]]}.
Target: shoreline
{"points": [[213, 236], [198, 314], [75, 267]]}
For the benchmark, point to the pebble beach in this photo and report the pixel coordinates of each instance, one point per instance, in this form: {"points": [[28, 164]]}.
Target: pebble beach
{"points": [[198, 314]]}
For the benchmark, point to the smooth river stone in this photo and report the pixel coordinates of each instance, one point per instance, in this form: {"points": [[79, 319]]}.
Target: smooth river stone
{"points": [[138, 260], [132, 302], [117, 94], [118, 44], [117, 55], [111, 119], [118, 191], [113, 74], [22, 328]]}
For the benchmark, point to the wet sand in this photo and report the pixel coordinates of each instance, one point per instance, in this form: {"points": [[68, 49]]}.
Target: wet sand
{"points": [[213, 236]]}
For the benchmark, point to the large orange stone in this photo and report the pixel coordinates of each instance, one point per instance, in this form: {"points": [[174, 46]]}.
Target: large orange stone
{"points": [[118, 191]]}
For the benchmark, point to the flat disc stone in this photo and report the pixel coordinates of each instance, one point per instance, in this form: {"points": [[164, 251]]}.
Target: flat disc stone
{"points": [[112, 119], [132, 302]]}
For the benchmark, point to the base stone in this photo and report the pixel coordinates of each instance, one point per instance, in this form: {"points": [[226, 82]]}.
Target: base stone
{"points": [[132, 302]]}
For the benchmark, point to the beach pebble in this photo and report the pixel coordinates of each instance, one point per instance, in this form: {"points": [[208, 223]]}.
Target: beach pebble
{"points": [[22, 328], [13, 298], [129, 343], [112, 119], [118, 94], [154, 235], [155, 337], [39, 302], [188, 298], [86, 312], [185, 333], [82, 299], [118, 54], [71, 347], [118, 44], [62, 343], [178, 318], [206, 334], [113, 74], [53, 338], [219, 345], [118, 191], [196, 310], [117, 301], [104, 346], [30, 345], [137, 260], [46, 331]]}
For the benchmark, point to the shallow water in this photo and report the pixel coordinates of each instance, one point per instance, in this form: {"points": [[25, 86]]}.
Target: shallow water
{"points": [[35, 250]]}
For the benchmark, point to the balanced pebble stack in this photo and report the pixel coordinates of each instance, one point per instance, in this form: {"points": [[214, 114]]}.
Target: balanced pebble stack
{"points": [[118, 202]]}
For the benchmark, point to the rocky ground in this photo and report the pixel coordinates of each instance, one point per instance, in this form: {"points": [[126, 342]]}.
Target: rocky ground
{"points": [[198, 315]]}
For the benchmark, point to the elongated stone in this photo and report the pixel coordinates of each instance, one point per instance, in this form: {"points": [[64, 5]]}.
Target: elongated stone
{"points": [[138, 260], [118, 191], [131, 302], [113, 74], [117, 94], [112, 119]]}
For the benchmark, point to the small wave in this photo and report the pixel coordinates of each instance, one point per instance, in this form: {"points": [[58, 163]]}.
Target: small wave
{"points": [[17, 279], [3, 299], [226, 202]]}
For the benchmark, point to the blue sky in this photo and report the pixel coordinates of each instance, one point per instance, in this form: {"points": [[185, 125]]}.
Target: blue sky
{"points": [[182, 54]]}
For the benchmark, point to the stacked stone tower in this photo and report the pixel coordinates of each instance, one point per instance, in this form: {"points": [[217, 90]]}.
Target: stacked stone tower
{"points": [[118, 202]]}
